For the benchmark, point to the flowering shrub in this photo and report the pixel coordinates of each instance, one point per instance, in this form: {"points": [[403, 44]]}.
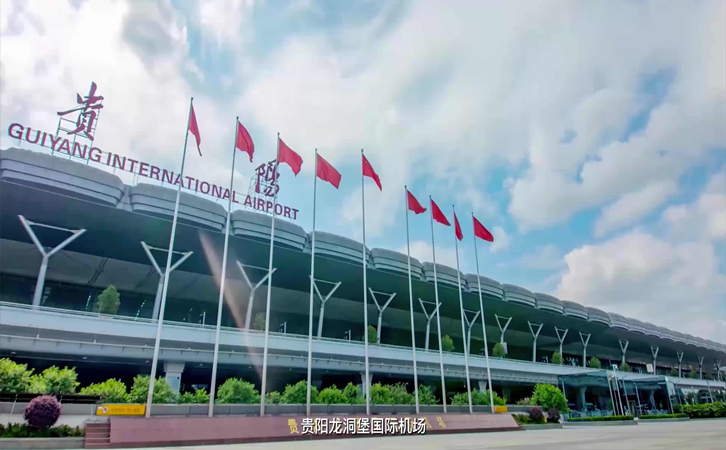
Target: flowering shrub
{"points": [[42, 411]]}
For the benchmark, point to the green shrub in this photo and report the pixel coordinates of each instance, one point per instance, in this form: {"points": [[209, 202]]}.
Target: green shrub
{"points": [[57, 381], [296, 394], [14, 377], [477, 398], [524, 402], [536, 415], [37, 385], [108, 301], [674, 372], [663, 416], [556, 358], [595, 363], [331, 396], [200, 396], [273, 398], [677, 409], [110, 391], [235, 390], [693, 374], [625, 367], [447, 344], [705, 410], [522, 419], [600, 419], [400, 394], [425, 396], [498, 350], [162, 391], [462, 398], [548, 396], [259, 322], [18, 430], [381, 394], [352, 393], [372, 335]]}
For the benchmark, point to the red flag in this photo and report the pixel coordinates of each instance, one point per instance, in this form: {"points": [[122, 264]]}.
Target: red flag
{"points": [[438, 215], [369, 172], [459, 234], [413, 204], [194, 129], [481, 232], [326, 172], [286, 155], [244, 141]]}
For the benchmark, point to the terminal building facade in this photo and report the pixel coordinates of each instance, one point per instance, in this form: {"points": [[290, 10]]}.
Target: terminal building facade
{"points": [[47, 301]]}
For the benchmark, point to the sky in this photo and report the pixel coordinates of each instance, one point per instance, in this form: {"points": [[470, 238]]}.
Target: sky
{"points": [[589, 137]]}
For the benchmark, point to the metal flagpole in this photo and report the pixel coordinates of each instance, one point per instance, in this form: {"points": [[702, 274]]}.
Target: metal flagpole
{"points": [[155, 360], [269, 289], [463, 329], [410, 300], [483, 322], [366, 383], [312, 281], [438, 316], [220, 302]]}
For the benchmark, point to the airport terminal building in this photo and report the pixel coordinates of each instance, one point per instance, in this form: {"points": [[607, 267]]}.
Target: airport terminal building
{"points": [[47, 301]]}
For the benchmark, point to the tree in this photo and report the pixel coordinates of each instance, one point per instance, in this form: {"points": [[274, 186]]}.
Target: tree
{"points": [[425, 396], [57, 381], [372, 335], [556, 358], [110, 391], [595, 363], [548, 396], [259, 322], [235, 390], [381, 394], [331, 396], [200, 396], [14, 378], [447, 344], [109, 300], [273, 398], [352, 393], [625, 367], [163, 393], [400, 394], [674, 371], [296, 394], [693, 374], [498, 350]]}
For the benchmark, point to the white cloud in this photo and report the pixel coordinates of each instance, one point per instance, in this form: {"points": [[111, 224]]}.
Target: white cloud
{"points": [[633, 206], [421, 250], [546, 257], [227, 22], [705, 218], [642, 276], [501, 240]]}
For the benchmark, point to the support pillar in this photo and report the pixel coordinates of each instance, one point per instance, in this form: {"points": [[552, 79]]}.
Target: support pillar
{"points": [[147, 249], [581, 398], [654, 352], [680, 360], [561, 334], [651, 400], [718, 369], [324, 300], [173, 371], [469, 326], [535, 334], [428, 321], [623, 349], [503, 329], [40, 282], [483, 386], [253, 288], [381, 308], [585, 341], [700, 367]]}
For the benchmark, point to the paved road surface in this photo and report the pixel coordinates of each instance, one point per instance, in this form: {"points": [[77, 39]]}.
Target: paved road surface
{"points": [[696, 435]]}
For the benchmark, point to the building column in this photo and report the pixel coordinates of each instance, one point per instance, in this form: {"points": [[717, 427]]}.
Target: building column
{"points": [[173, 371], [623, 349], [253, 288], [581, 398], [535, 334], [503, 329], [428, 321], [700, 367], [157, 299], [654, 352], [324, 300], [561, 338], [680, 360], [507, 393], [381, 308], [651, 400], [585, 339]]}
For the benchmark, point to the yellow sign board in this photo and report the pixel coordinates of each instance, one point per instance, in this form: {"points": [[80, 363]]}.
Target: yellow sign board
{"points": [[500, 409], [120, 410]]}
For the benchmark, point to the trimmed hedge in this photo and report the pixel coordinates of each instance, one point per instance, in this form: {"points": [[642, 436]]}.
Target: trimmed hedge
{"points": [[663, 416], [600, 419], [23, 430], [705, 410]]}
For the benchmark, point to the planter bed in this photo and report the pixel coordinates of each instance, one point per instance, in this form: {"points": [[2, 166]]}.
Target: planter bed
{"points": [[541, 426], [25, 443]]}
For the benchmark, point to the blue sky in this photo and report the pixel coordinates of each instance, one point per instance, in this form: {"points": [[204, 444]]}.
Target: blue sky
{"points": [[590, 138]]}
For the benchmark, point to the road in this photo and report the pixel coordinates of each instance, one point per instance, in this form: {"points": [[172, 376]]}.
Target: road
{"points": [[700, 435]]}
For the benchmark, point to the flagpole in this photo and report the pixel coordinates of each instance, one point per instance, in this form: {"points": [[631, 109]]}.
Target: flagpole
{"points": [[155, 360], [410, 301], [220, 301], [269, 289], [438, 316], [312, 281], [483, 322], [461, 307], [366, 383]]}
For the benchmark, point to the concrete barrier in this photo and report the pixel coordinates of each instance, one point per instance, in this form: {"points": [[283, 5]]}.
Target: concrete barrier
{"points": [[30, 443]]}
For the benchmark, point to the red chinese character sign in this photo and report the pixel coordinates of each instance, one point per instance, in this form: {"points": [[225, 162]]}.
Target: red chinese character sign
{"points": [[266, 179], [88, 109]]}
